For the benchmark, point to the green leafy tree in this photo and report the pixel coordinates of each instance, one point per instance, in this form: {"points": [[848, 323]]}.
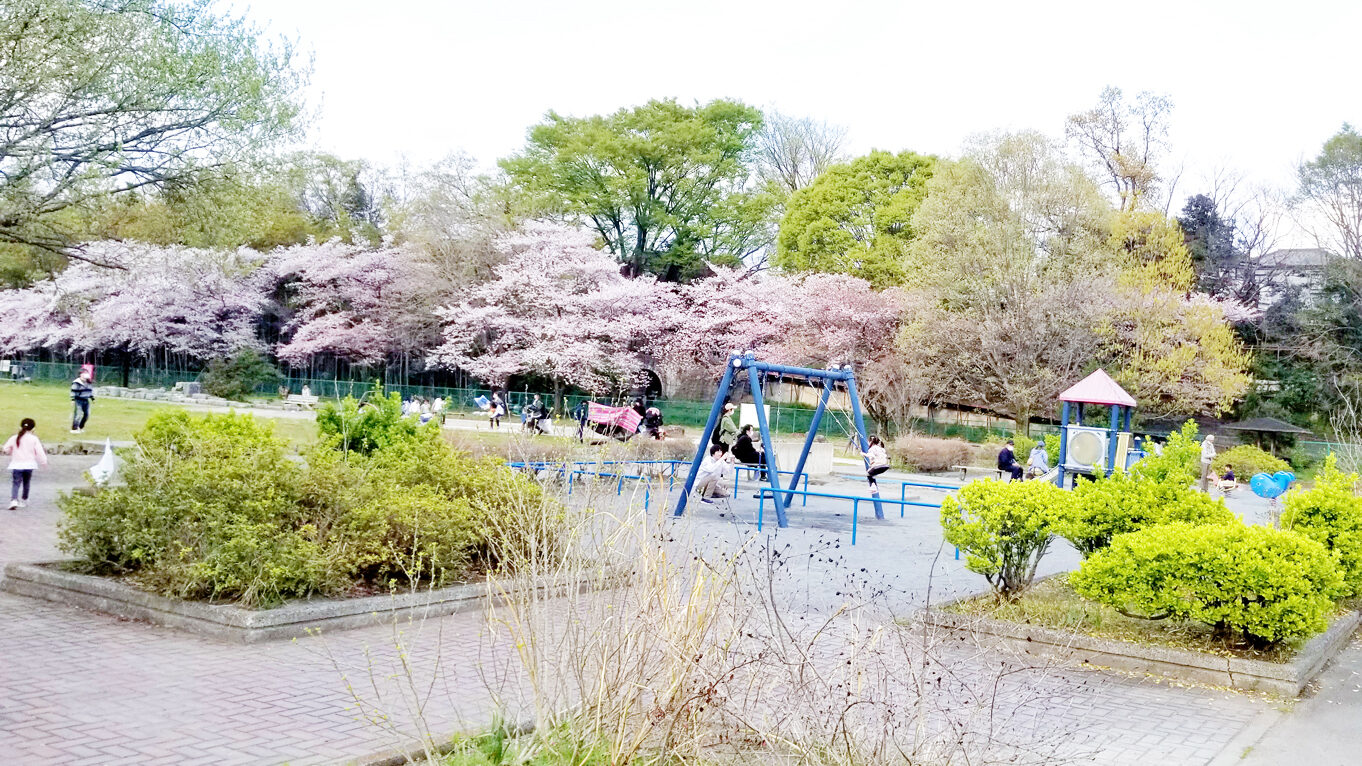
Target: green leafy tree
{"points": [[237, 377], [101, 98], [667, 187], [1331, 188], [856, 218]]}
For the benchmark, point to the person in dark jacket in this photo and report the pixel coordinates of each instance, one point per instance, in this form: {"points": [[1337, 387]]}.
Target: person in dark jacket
{"points": [[745, 450], [1007, 461], [82, 393], [652, 423]]}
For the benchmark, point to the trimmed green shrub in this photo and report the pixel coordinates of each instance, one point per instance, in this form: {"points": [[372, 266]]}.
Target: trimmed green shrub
{"points": [[370, 424], [1004, 529], [1330, 513], [213, 508], [1261, 584], [1247, 461], [1124, 502], [1180, 463], [236, 377]]}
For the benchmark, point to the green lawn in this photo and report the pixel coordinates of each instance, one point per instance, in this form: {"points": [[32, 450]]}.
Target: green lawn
{"points": [[50, 405]]}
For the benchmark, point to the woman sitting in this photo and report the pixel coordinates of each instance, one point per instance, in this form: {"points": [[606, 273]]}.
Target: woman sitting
{"points": [[748, 450]]}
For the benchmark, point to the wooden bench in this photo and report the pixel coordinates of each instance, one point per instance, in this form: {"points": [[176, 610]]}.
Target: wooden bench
{"points": [[965, 469], [307, 401]]}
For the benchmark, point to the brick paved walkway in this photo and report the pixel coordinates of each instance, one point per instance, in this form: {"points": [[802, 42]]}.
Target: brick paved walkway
{"points": [[78, 687]]}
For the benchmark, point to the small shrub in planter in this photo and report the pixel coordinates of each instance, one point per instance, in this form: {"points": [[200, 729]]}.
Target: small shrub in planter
{"points": [[1004, 529], [1260, 584], [213, 508], [1125, 502], [924, 453], [1331, 514], [1247, 461]]}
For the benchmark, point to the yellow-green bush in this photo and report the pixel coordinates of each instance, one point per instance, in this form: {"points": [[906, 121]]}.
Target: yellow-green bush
{"points": [[213, 508], [1262, 584], [1125, 502], [1330, 513], [1004, 529], [1247, 461]]}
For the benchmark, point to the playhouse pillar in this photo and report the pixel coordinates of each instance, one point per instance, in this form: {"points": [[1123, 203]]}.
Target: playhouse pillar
{"points": [[1111, 437], [1063, 444]]}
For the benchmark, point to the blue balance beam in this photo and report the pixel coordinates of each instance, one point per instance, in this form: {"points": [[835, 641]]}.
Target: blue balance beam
{"points": [[855, 503]]}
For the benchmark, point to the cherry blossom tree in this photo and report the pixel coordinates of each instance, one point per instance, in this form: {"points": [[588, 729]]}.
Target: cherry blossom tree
{"points": [[358, 304], [558, 308], [177, 300]]}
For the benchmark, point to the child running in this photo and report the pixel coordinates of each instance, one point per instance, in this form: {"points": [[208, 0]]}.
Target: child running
{"points": [[26, 454], [878, 460]]}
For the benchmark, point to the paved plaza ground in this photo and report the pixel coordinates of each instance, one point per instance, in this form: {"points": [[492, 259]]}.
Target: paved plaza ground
{"points": [[80, 687]]}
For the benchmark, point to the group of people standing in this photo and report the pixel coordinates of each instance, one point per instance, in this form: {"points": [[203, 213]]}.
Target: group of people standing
{"points": [[424, 409]]}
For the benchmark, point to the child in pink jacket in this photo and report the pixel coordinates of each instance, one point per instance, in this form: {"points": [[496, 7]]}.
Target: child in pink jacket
{"points": [[26, 453]]}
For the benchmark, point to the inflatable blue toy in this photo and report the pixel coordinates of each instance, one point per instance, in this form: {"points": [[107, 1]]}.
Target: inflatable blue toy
{"points": [[1270, 486]]}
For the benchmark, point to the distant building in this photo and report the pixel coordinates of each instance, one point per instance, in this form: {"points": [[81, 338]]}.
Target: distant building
{"points": [[1291, 270]]}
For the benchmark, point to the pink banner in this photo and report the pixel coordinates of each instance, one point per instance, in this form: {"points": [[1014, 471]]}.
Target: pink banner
{"points": [[624, 417]]}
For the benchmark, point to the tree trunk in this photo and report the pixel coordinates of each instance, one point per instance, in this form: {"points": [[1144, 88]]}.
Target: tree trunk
{"points": [[558, 396]]}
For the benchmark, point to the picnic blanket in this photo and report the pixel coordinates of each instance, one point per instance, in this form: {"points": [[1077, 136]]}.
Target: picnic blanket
{"points": [[624, 417], [483, 403]]}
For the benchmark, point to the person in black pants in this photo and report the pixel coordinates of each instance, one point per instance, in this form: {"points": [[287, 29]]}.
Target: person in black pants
{"points": [[1007, 461], [745, 450], [82, 393]]}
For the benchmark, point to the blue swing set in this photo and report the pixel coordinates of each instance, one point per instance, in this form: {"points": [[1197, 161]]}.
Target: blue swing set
{"points": [[783, 496]]}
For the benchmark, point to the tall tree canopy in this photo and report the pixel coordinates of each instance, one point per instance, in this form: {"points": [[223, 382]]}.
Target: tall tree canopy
{"points": [[1331, 189], [667, 187], [105, 96], [1124, 141], [856, 218]]}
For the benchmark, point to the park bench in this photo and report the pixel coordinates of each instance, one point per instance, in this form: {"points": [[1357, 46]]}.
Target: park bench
{"points": [[309, 400], [965, 469]]}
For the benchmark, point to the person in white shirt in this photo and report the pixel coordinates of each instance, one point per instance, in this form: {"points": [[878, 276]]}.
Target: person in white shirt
{"points": [[1207, 456], [712, 481], [877, 461]]}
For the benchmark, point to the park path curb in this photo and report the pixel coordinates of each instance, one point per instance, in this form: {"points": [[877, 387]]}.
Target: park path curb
{"points": [[1285, 679], [228, 622]]}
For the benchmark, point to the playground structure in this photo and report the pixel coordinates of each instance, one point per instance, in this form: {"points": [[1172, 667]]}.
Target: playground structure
{"points": [[1087, 450], [756, 373]]}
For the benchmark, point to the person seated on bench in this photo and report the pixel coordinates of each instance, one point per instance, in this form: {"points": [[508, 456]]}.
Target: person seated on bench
{"points": [[747, 450], [712, 481], [1007, 461], [877, 459], [1227, 482], [1038, 464]]}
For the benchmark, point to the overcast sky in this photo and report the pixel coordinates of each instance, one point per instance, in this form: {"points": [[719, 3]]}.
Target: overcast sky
{"points": [[1256, 85]]}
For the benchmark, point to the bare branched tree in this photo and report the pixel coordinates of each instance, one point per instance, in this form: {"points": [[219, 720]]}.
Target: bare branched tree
{"points": [[1125, 142], [792, 151]]}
